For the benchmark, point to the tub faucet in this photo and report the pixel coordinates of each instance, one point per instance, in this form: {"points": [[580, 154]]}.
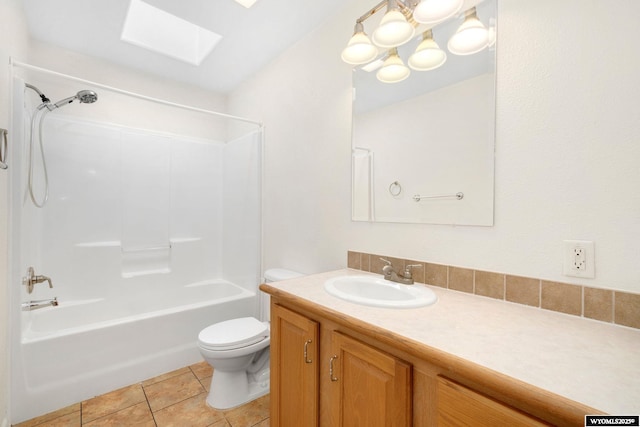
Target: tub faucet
{"points": [[41, 303], [405, 278], [32, 278]]}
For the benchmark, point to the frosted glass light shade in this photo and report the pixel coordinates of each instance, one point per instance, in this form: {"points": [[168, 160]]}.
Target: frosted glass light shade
{"points": [[359, 50], [427, 56], [394, 30], [435, 11], [471, 37], [393, 70]]}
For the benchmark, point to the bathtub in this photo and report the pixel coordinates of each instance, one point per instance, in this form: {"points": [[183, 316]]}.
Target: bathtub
{"points": [[84, 348]]}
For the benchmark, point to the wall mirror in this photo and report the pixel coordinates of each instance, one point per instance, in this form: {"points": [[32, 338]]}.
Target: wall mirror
{"points": [[423, 147]]}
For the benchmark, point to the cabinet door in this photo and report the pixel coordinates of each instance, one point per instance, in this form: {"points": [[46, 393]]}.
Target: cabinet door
{"points": [[294, 369], [369, 388], [461, 406]]}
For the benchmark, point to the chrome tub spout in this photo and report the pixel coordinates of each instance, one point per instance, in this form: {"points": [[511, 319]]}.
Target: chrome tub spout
{"points": [[41, 303]]}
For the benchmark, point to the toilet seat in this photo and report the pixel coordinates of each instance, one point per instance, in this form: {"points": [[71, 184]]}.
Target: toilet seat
{"points": [[233, 334]]}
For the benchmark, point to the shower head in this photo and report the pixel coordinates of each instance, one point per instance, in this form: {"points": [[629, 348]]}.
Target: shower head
{"points": [[87, 96], [84, 96]]}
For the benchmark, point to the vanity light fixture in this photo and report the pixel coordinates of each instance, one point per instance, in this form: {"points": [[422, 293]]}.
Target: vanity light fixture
{"points": [[393, 70], [359, 50], [471, 37], [397, 27], [428, 55], [394, 29], [436, 11]]}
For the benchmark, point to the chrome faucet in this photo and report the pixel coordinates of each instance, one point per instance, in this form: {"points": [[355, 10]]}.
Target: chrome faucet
{"points": [[41, 303], [405, 278], [32, 278]]}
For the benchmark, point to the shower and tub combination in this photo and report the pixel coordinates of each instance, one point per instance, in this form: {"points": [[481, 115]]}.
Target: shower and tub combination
{"points": [[135, 224]]}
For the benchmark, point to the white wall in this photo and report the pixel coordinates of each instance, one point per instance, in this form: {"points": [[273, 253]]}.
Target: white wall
{"points": [[566, 149], [14, 42]]}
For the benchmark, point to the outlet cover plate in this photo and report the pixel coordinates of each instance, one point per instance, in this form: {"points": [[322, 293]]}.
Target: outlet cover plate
{"points": [[579, 259]]}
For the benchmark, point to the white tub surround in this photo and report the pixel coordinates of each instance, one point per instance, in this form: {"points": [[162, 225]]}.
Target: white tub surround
{"points": [[151, 232], [545, 353]]}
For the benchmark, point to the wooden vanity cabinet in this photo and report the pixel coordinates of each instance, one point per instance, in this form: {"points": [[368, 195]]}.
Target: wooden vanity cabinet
{"points": [[461, 406], [363, 385], [367, 387], [294, 369], [327, 372]]}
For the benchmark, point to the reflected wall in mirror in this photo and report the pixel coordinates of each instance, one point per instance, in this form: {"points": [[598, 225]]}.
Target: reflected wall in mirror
{"points": [[423, 148]]}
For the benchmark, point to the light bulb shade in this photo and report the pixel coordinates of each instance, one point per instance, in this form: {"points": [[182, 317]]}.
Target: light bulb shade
{"points": [[436, 11], [427, 56], [359, 50], [394, 30], [471, 37], [393, 70]]}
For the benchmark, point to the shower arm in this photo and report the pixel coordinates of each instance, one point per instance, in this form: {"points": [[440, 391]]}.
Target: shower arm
{"points": [[43, 97]]}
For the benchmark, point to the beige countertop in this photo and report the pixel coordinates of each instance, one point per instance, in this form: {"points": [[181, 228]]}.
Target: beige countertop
{"points": [[593, 363]]}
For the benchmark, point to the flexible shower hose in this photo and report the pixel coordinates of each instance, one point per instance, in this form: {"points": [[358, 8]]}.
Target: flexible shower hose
{"points": [[40, 114]]}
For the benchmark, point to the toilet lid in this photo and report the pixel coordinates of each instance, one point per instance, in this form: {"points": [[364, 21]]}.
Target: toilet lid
{"points": [[234, 333]]}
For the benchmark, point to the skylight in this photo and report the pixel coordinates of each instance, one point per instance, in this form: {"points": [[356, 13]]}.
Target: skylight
{"points": [[159, 31]]}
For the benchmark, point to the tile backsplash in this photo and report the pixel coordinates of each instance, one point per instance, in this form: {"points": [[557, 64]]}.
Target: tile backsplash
{"points": [[622, 308]]}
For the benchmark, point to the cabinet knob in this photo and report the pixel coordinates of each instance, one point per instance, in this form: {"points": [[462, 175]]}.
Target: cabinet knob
{"points": [[306, 352], [334, 357]]}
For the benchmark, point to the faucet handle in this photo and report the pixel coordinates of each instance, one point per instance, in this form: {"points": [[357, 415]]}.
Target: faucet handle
{"points": [[407, 270], [40, 279], [387, 270], [31, 279]]}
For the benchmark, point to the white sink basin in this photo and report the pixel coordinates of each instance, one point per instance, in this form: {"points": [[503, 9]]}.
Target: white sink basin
{"points": [[377, 292]]}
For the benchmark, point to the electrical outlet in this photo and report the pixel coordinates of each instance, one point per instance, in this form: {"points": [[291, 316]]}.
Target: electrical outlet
{"points": [[579, 259]]}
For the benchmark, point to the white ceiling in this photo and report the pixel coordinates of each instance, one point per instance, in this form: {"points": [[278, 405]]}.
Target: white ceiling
{"points": [[251, 37]]}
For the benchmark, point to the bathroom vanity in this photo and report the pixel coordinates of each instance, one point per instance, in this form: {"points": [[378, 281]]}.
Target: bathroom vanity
{"points": [[465, 360]]}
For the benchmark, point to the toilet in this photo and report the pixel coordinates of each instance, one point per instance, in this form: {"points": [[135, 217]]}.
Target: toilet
{"points": [[238, 351]]}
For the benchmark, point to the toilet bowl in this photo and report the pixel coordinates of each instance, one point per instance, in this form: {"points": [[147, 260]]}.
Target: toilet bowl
{"points": [[238, 351]]}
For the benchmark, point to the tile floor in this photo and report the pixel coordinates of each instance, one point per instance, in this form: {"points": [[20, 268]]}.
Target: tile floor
{"points": [[173, 399]]}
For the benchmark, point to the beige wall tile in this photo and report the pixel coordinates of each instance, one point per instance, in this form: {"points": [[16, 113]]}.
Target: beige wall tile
{"points": [[435, 274], [627, 309], [489, 284], [598, 304], [365, 262], [561, 297], [523, 290], [461, 279], [353, 260]]}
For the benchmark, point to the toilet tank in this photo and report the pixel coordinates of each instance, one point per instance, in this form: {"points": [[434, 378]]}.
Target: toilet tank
{"points": [[273, 275]]}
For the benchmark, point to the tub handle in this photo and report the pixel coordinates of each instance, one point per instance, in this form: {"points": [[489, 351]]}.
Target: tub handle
{"points": [[32, 278], [331, 377], [306, 352]]}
